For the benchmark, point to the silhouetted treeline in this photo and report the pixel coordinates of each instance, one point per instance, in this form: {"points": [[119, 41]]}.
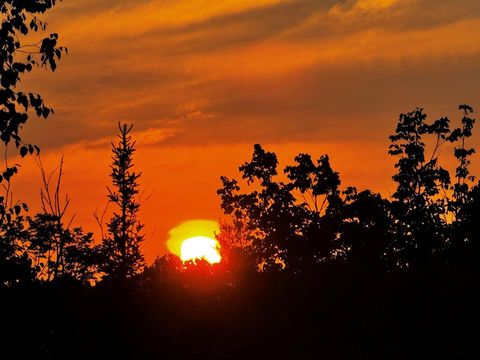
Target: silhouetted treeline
{"points": [[308, 219], [309, 269]]}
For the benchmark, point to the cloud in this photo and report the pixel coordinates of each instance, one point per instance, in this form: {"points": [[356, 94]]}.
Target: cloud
{"points": [[281, 71], [386, 15]]}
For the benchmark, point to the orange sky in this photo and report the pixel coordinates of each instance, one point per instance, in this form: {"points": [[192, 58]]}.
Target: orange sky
{"points": [[202, 81]]}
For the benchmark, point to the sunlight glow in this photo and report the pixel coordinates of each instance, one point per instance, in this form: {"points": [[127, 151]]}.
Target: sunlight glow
{"points": [[200, 247], [189, 229]]}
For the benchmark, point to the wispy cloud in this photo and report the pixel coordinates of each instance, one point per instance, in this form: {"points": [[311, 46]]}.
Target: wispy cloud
{"points": [[273, 70]]}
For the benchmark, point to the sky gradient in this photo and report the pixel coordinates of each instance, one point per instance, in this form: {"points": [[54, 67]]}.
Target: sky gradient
{"points": [[202, 81]]}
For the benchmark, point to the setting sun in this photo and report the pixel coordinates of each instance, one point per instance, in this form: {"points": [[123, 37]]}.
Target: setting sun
{"points": [[200, 247], [193, 229]]}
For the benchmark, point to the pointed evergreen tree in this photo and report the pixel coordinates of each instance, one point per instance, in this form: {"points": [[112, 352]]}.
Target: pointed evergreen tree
{"points": [[120, 248]]}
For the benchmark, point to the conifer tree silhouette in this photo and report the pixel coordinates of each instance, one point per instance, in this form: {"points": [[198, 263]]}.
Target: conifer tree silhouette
{"points": [[120, 249]]}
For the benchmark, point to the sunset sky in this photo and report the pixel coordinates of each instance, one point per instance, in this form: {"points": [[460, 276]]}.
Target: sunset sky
{"points": [[202, 81]]}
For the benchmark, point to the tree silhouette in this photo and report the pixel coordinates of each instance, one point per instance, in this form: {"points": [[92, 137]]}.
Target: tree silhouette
{"points": [[466, 243], [308, 220], [462, 154], [236, 247], [420, 180], [320, 207], [60, 252], [421, 203], [367, 230], [19, 18], [15, 262], [120, 249], [17, 58], [282, 229], [267, 213], [56, 249]]}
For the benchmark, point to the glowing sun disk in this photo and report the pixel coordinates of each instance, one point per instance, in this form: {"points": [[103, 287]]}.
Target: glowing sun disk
{"points": [[200, 247]]}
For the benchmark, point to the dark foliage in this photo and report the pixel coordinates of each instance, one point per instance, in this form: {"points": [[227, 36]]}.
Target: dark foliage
{"points": [[57, 251], [19, 19], [282, 230], [18, 58], [309, 220]]}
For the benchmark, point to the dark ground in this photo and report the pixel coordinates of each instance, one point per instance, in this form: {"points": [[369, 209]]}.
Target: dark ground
{"points": [[330, 313]]}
